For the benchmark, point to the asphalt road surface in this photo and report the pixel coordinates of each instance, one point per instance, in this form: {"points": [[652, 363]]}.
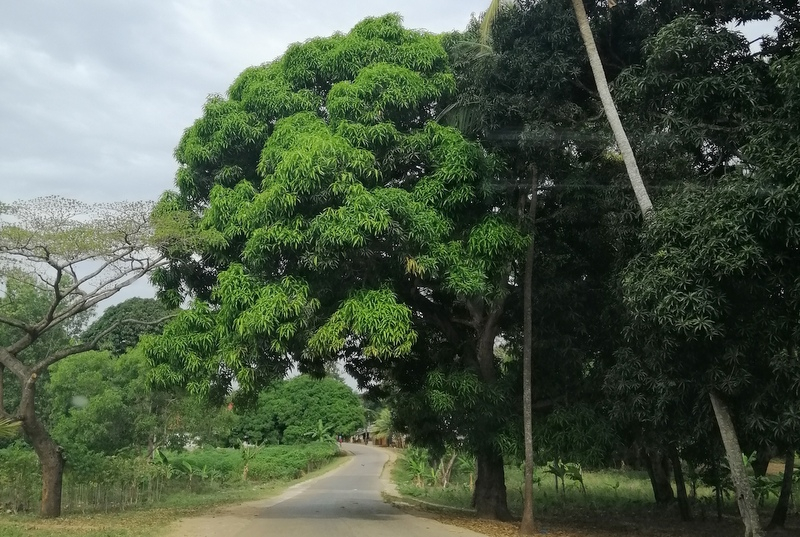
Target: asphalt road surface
{"points": [[346, 502]]}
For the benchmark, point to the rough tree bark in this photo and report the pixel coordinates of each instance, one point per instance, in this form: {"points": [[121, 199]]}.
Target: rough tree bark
{"points": [[741, 482], [489, 497], [48, 452], [658, 471], [781, 510], [527, 526], [680, 485]]}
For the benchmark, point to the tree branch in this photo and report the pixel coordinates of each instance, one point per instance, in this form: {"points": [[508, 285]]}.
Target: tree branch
{"points": [[43, 364]]}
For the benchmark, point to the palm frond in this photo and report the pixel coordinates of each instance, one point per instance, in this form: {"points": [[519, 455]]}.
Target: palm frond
{"points": [[488, 19], [9, 428]]}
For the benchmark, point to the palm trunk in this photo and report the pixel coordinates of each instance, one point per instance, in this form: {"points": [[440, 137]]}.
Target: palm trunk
{"points": [[781, 510], [610, 109], [744, 491], [527, 526]]}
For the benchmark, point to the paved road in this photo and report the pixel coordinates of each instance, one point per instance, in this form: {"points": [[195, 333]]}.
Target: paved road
{"points": [[343, 503]]}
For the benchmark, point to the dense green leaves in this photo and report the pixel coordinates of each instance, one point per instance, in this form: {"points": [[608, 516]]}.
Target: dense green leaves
{"points": [[345, 190], [290, 411]]}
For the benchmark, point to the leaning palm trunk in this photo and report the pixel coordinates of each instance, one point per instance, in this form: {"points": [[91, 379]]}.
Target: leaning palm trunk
{"points": [[610, 109]]}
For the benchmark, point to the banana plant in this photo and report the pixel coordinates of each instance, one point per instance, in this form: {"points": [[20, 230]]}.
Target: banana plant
{"points": [[559, 470], [322, 433], [574, 471], [248, 454]]}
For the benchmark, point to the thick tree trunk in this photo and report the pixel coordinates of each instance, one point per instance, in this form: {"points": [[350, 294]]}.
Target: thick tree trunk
{"points": [[680, 485], [489, 497], [610, 109], [527, 526], [52, 463], [741, 482], [47, 451], [781, 510], [658, 471]]}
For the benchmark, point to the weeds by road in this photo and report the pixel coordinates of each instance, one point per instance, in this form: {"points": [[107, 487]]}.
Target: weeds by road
{"points": [[147, 521]]}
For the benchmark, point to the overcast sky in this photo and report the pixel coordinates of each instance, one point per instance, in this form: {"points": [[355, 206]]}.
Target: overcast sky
{"points": [[94, 94]]}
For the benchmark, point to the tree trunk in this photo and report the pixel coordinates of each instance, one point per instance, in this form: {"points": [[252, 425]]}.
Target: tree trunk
{"points": [[741, 482], [779, 515], [489, 497], [610, 109], [527, 526], [658, 471], [680, 485], [47, 451], [761, 462]]}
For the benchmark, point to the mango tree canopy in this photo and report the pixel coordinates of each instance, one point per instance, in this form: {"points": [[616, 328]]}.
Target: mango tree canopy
{"points": [[317, 194]]}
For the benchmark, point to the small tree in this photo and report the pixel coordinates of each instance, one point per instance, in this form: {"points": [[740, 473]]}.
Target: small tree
{"points": [[73, 255]]}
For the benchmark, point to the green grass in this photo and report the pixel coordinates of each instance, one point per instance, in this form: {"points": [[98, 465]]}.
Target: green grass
{"points": [[150, 521], [607, 492]]}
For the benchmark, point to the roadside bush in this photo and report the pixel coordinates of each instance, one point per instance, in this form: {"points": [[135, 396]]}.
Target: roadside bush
{"points": [[94, 482]]}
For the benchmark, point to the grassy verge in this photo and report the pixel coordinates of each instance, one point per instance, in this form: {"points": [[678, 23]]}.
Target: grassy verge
{"points": [[613, 503], [149, 521]]}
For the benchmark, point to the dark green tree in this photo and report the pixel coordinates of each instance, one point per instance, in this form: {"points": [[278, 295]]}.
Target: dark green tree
{"points": [[716, 282], [288, 410], [128, 321]]}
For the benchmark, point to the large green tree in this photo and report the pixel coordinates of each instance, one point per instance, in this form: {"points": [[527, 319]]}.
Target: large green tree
{"points": [[100, 402], [715, 283], [334, 217], [289, 410]]}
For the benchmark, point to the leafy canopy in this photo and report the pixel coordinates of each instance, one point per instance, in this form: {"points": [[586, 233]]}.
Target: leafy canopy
{"points": [[317, 190]]}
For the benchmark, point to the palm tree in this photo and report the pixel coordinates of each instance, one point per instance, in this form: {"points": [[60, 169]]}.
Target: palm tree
{"points": [[383, 427], [8, 428], [609, 107]]}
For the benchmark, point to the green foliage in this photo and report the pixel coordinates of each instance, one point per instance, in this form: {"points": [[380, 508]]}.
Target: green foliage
{"points": [[324, 184], [126, 334], [25, 301], [302, 409], [577, 433], [8, 428], [94, 482], [101, 403]]}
